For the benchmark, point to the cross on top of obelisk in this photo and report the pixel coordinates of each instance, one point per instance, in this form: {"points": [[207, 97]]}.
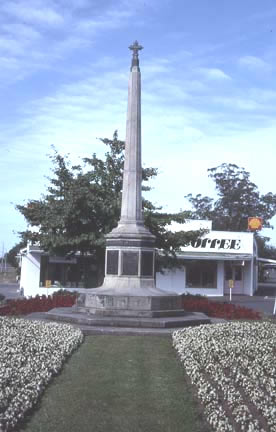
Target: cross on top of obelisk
{"points": [[135, 47]]}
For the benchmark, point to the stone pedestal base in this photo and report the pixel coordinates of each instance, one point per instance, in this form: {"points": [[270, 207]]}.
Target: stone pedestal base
{"points": [[146, 302], [150, 311]]}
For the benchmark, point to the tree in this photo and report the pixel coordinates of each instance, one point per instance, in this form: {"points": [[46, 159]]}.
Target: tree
{"points": [[238, 199], [82, 204], [12, 254]]}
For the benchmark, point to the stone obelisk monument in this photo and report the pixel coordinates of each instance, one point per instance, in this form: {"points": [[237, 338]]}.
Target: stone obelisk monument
{"points": [[129, 284], [130, 247], [128, 302]]}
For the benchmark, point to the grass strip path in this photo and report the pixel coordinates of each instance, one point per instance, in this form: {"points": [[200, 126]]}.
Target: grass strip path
{"points": [[120, 384]]}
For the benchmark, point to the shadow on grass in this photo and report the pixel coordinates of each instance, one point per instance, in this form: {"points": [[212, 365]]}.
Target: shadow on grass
{"points": [[120, 384]]}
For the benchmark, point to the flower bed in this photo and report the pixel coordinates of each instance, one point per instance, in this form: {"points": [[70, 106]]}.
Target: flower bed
{"points": [[31, 353], [37, 304], [217, 309], [233, 367]]}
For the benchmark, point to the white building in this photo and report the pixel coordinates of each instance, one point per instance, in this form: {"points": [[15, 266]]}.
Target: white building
{"points": [[211, 261], [43, 274], [208, 265]]}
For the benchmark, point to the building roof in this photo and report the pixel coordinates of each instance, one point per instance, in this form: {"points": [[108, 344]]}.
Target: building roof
{"points": [[214, 256]]}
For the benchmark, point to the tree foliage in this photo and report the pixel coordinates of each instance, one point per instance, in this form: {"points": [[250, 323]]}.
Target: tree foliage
{"points": [[13, 252], [82, 204], [237, 199]]}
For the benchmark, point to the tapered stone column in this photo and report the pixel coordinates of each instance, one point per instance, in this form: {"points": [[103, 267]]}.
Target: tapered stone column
{"points": [[131, 210]]}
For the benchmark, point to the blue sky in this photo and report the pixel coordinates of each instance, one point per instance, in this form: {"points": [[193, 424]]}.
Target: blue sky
{"points": [[208, 91]]}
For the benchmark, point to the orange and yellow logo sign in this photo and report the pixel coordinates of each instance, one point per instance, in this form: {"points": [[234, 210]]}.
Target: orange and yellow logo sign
{"points": [[255, 223]]}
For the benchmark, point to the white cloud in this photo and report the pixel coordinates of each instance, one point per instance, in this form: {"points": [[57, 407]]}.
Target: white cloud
{"points": [[214, 74], [40, 34], [24, 31], [111, 20], [263, 95], [238, 103], [254, 63], [11, 46], [155, 67], [263, 14], [34, 12]]}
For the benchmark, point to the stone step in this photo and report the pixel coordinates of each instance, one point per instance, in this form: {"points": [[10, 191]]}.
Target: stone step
{"points": [[130, 313], [90, 330], [68, 315]]}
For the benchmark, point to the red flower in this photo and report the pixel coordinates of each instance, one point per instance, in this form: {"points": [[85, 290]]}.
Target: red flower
{"points": [[216, 309], [37, 304]]}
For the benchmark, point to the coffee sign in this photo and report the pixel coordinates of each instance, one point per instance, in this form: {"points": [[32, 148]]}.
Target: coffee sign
{"points": [[222, 242], [234, 244]]}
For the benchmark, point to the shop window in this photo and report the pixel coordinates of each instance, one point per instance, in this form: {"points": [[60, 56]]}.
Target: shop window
{"points": [[76, 272], [233, 271], [201, 274]]}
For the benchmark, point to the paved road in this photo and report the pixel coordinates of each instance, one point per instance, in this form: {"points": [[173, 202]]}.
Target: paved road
{"points": [[9, 290]]}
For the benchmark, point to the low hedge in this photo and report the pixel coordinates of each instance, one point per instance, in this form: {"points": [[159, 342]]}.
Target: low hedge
{"points": [[217, 309], [37, 304]]}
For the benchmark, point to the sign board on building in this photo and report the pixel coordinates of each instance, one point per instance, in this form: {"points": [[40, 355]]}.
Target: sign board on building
{"points": [[62, 260], [222, 242]]}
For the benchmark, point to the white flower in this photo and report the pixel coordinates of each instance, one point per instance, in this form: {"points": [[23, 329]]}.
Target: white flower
{"points": [[31, 352], [233, 362]]}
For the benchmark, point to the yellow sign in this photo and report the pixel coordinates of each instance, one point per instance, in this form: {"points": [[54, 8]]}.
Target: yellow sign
{"points": [[48, 283], [231, 283], [255, 223]]}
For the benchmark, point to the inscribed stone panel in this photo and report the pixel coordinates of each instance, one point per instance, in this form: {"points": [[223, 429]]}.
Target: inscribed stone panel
{"points": [[130, 263], [112, 258]]}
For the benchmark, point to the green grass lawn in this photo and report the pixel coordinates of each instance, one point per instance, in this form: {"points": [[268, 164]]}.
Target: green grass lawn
{"points": [[120, 384]]}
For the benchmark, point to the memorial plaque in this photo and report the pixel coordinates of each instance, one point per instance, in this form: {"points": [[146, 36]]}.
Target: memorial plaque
{"points": [[146, 263], [130, 263], [112, 261]]}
